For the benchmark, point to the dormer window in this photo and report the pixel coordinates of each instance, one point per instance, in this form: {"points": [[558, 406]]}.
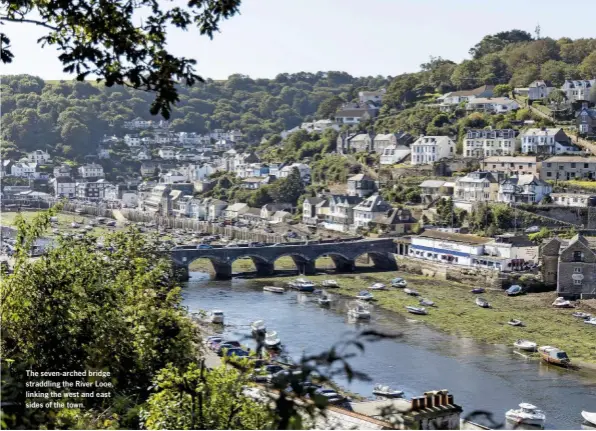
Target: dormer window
{"points": [[578, 256]]}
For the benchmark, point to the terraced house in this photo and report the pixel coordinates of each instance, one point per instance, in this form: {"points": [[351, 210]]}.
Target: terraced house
{"points": [[490, 142], [586, 121], [568, 168]]}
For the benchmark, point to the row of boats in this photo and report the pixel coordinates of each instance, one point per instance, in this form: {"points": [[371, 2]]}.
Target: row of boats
{"points": [[529, 414]]}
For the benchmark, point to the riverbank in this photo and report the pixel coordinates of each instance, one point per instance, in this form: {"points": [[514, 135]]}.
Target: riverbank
{"points": [[457, 314]]}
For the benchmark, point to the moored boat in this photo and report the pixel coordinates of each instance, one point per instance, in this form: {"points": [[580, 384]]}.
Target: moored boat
{"points": [[581, 315], [515, 322], [514, 290], [481, 302], [274, 289], [258, 326], [527, 345], [359, 312], [330, 283], [365, 295], [427, 302], [411, 292], [399, 282], [561, 302], [589, 417], [377, 286], [553, 355], [416, 310], [324, 300], [272, 340], [590, 321], [478, 290], [527, 414], [302, 285], [216, 316], [387, 392]]}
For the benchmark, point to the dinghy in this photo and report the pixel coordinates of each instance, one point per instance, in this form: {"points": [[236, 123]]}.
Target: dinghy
{"points": [[427, 302], [527, 414], [561, 302], [387, 392], [274, 289], [411, 292], [324, 300], [581, 315], [514, 290], [330, 283], [399, 282], [590, 321], [515, 322], [272, 341], [589, 417], [478, 290], [359, 312], [526, 345], [481, 302], [365, 295], [378, 286], [416, 310]]}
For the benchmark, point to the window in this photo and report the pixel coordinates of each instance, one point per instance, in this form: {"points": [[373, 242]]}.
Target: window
{"points": [[573, 165], [578, 256], [577, 282], [549, 174], [548, 165], [561, 168], [577, 269], [585, 165]]}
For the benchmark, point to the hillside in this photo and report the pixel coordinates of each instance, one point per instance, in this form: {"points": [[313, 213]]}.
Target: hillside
{"points": [[67, 118]]}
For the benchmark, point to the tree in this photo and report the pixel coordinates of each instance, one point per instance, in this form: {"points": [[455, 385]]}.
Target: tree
{"points": [[588, 67], [289, 189], [496, 42], [116, 49], [502, 90], [328, 107]]}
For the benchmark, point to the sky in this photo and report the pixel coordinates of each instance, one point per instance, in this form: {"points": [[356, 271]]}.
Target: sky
{"points": [[363, 38]]}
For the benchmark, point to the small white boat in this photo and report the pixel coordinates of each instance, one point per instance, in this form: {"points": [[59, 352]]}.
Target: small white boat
{"points": [[258, 326], [515, 322], [411, 292], [589, 417], [216, 316], [324, 301], [378, 286], [526, 345], [387, 392], [399, 282], [365, 295], [590, 321], [330, 283], [527, 414], [302, 285], [562, 303], [581, 315], [481, 302], [75, 225], [274, 289], [272, 340], [359, 312], [427, 302], [416, 310]]}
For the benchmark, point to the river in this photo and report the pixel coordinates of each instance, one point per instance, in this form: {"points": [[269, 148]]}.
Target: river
{"points": [[480, 376]]}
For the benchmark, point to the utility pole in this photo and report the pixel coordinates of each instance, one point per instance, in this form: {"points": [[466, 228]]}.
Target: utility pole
{"points": [[537, 31]]}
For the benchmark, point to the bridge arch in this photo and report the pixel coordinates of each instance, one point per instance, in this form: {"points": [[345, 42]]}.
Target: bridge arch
{"points": [[380, 260], [341, 261], [303, 263], [218, 265]]}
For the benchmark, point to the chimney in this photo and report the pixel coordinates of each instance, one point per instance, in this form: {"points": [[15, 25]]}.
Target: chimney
{"points": [[437, 398], [418, 403], [429, 401], [450, 399], [584, 105], [444, 398]]}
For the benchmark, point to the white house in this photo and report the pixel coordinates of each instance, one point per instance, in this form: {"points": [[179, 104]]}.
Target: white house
{"points": [[198, 172], [523, 188], [494, 105], [580, 200], [430, 149], [173, 176], [367, 210], [167, 153], [63, 187], [138, 123], [340, 216], [132, 140], [91, 170], [302, 168], [234, 211], [577, 90], [62, 171], [394, 154], [372, 96], [25, 170], [143, 154], [477, 186], [450, 100], [490, 142], [542, 141], [39, 156], [539, 90]]}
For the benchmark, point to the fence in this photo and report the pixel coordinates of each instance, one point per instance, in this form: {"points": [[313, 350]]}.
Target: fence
{"points": [[202, 227]]}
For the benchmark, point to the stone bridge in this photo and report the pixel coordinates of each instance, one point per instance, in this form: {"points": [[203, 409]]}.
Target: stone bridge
{"points": [[344, 255]]}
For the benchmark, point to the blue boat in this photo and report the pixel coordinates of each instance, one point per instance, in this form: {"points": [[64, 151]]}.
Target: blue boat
{"points": [[477, 290], [514, 290], [302, 285]]}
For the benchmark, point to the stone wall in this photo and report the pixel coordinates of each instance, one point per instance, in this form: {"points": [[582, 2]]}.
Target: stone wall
{"points": [[472, 276]]}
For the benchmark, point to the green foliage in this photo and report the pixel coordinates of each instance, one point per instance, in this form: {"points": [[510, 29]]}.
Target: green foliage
{"points": [[204, 399], [494, 43], [287, 189], [541, 235], [80, 308], [332, 169], [502, 90]]}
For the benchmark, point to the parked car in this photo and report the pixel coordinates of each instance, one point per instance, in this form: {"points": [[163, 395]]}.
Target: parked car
{"points": [[256, 244], [203, 246], [227, 345], [532, 229], [235, 352]]}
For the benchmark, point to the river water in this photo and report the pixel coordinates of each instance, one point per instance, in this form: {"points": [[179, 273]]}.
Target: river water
{"points": [[480, 376]]}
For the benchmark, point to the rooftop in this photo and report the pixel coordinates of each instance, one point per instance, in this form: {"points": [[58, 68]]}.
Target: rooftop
{"points": [[572, 159], [455, 237]]}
